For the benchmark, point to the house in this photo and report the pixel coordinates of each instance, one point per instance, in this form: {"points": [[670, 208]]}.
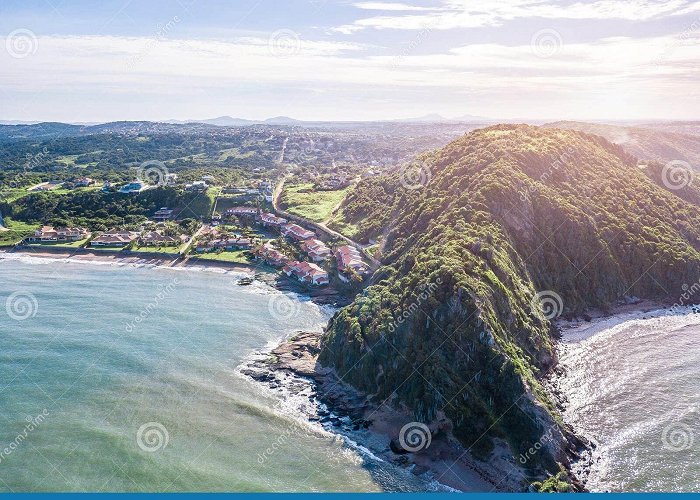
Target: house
{"points": [[269, 219], [132, 187], [297, 232], [49, 234], [46, 186], [242, 211], [349, 257], [82, 182], [208, 178], [271, 255], [154, 238], [225, 244], [114, 239], [163, 214], [316, 249], [234, 190], [170, 179], [196, 187], [106, 187], [265, 185], [307, 272]]}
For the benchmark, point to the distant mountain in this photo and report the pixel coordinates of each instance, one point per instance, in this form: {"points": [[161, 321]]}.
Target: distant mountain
{"points": [[644, 143], [226, 121], [437, 118]]}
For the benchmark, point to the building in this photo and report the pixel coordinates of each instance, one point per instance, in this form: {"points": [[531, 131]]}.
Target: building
{"points": [[170, 179], [132, 187], [234, 190], [349, 257], [114, 239], [316, 249], [49, 234], [196, 187], [269, 219], [297, 232], [307, 272], [229, 244], [154, 238], [82, 182], [242, 211], [46, 186], [271, 255], [163, 214]]}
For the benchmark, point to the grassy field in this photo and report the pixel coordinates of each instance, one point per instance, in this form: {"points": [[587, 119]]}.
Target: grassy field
{"points": [[72, 244], [17, 231], [302, 200], [237, 257], [164, 250]]}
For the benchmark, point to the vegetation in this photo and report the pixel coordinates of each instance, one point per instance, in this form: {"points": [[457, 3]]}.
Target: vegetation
{"points": [[16, 231], [305, 201], [451, 323]]}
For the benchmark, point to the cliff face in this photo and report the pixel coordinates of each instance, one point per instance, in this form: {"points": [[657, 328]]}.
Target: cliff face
{"points": [[505, 229]]}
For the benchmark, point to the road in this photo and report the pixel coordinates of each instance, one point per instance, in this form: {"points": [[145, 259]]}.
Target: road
{"points": [[320, 226]]}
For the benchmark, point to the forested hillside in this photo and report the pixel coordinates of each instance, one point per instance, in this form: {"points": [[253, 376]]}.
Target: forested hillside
{"points": [[453, 323]]}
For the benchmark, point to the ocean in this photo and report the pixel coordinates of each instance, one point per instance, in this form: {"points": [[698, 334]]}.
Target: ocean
{"points": [[124, 378], [634, 388]]}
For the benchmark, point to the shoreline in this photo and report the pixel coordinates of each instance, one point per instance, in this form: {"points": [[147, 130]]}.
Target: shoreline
{"points": [[374, 428], [596, 321], [582, 329], [344, 411], [268, 276]]}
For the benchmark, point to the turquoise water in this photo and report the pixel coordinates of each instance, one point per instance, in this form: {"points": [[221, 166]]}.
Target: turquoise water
{"points": [[118, 378], [634, 387]]}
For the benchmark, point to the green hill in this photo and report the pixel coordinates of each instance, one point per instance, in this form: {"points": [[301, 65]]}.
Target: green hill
{"points": [[452, 324]]}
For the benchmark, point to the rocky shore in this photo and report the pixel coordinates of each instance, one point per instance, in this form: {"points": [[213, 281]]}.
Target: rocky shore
{"points": [[438, 458]]}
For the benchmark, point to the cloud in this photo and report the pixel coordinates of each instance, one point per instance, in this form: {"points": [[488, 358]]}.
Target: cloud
{"points": [[629, 75], [388, 6], [453, 14]]}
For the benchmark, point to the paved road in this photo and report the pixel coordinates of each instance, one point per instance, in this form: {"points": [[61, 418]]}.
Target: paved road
{"points": [[319, 226]]}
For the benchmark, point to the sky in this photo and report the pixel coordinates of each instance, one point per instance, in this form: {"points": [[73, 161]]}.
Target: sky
{"points": [[86, 61]]}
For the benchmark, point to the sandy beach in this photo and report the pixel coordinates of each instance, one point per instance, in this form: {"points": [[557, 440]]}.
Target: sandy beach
{"points": [[598, 321]]}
